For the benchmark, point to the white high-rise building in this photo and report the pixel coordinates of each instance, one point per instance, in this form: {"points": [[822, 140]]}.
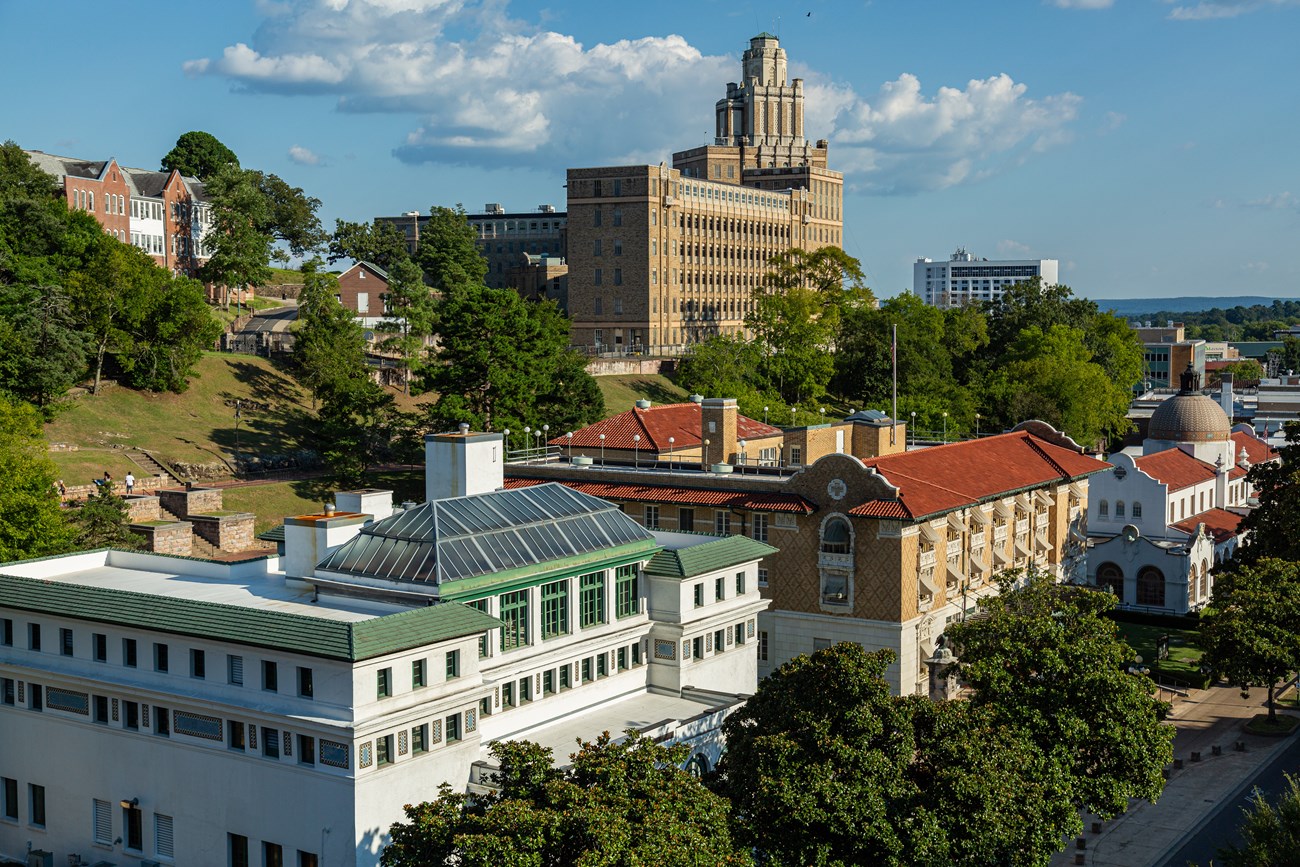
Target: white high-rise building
{"points": [[966, 279]]}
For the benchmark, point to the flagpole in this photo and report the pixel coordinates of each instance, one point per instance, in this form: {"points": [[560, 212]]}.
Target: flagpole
{"points": [[893, 356]]}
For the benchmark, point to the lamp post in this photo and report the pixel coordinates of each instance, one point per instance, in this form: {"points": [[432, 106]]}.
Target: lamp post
{"points": [[792, 412], [569, 436], [527, 430], [671, 440], [945, 427], [507, 435], [537, 441], [912, 430], [742, 456], [238, 409], [636, 453], [602, 450], [764, 415], [977, 425]]}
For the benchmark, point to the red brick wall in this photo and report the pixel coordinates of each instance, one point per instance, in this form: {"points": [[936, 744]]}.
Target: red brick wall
{"points": [[359, 280]]}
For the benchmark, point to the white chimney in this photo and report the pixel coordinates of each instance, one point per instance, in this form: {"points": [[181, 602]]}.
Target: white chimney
{"points": [[1225, 396], [367, 501], [462, 464]]}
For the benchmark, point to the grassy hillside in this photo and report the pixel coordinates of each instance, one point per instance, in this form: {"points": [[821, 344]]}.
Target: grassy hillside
{"points": [[275, 501], [621, 392], [197, 426]]}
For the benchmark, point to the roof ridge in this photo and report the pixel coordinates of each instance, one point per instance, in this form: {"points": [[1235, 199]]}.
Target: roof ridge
{"points": [[1033, 444]]}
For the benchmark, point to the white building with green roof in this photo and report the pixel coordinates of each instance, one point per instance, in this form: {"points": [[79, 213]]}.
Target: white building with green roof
{"points": [[281, 711]]}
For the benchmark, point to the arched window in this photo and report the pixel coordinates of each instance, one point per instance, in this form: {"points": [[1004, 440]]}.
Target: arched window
{"points": [[835, 536], [1110, 575], [1103, 509], [1119, 508], [1137, 509], [1151, 587]]}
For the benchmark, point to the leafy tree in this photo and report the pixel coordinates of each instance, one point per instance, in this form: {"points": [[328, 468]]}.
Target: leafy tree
{"points": [[1270, 528], [1243, 371], [379, 243], [199, 155], [1288, 357], [328, 345], [1047, 662], [502, 361], [42, 353], [291, 216], [1250, 632], [31, 521], [825, 767], [240, 246], [172, 337], [448, 250], [620, 804], [1271, 834], [411, 305], [102, 521]]}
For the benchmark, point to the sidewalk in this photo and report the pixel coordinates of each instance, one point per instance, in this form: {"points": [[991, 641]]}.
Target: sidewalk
{"points": [[1148, 833]]}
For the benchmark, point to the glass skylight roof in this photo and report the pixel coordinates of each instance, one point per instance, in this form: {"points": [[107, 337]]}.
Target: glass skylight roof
{"points": [[449, 540]]}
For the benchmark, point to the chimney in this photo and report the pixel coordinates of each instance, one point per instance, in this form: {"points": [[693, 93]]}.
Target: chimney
{"points": [[462, 464], [1225, 395], [718, 426]]}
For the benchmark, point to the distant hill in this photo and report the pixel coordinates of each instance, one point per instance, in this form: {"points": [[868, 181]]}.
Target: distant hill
{"points": [[1133, 308]]}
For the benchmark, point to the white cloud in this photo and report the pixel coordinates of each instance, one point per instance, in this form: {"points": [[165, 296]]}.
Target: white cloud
{"points": [[1255, 267], [1083, 4], [1012, 248], [483, 88], [1212, 9], [303, 156], [1276, 202]]}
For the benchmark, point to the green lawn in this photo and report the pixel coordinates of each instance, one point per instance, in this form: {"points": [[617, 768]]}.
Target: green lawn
{"points": [[1184, 661], [622, 392], [197, 426]]}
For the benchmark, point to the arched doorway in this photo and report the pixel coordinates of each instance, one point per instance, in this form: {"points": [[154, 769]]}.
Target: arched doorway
{"points": [[1151, 587], [1111, 576]]}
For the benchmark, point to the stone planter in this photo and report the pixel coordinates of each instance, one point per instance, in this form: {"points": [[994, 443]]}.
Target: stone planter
{"points": [[142, 508], [167, 537], [229, 531], [187, 501]]}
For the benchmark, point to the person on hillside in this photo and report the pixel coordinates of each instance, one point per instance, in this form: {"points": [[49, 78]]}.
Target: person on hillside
{"points": [[130, 483]]}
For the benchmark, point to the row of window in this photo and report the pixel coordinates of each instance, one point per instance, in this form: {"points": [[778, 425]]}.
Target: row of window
{"points": [[760, 522], [162, 657], [514, 607], [384, 685], [719, 589], [1103, 509], [517, 693], [238, 854], [416, 741], [715, 642]]}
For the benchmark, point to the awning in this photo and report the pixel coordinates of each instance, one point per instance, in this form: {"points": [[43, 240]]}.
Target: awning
{"points": [[1004, 510], [1076, 490], [1044, 498], [1000, 556], [1041, 543], [979, 516], [955, 575], [927, 588], [928, 534], [979, 564], [955, 521], [1022, 551]]}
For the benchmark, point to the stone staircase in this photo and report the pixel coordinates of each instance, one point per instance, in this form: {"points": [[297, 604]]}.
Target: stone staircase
{"points": [[150, 466], [203, 549]]}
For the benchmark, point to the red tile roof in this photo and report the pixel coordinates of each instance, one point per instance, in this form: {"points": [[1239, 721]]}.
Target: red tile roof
{"points": [[755, 500], [1257, 451], [943, 478], [1221, 523], [1176, 468], [655, 425]]}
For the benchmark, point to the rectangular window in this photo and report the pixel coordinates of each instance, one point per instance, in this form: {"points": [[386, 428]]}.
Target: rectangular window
{"points": [[7, 690], [306, 685], [721, 523], [740, 583], [307, 859], [627, 598], [417, 673], [762, 646], [131, 715], [618, 303], [452, 664], [697, 647], [586, 670], [162, 722], [686, 519], [306, 750], [481, 605], [595, 216], [164, 842], [622, 659], [420, 739], [760, 527], [36, 700], [103, 812], [101, 709], [595, 247], [128, 652], [740, 633], [198, 664], [33, 636], [548, 682], [384, 750], [132, 828], [602, 665], [719, 588], [10, 798], [796, 455], [555, 609], [618, 281], [565, 681], [270, 743], [652, 517], [272, 854], [453, 728], [236, 740], [66, 647], [719, 640], [525, 689], [7, 632], [235, 670], [270, 676], [597, 277], [636, 653], [514, 615], [238, 847], [508, 694], [384, 683], [699, 595], [160, 661], [592, 598], [36, 805]]}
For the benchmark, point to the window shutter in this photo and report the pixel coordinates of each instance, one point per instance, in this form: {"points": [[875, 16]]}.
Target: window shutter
{"points": [[237, 670], [103, 822], [162, 835]]}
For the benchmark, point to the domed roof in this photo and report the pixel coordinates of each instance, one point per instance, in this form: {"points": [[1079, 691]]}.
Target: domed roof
{"points": [[1189, 416]]}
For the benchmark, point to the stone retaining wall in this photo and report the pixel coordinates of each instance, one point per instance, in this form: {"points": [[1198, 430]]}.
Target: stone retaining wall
{"points": [[140, 508], [186, 502], [174, 538], [232, 532], [142, 483]]}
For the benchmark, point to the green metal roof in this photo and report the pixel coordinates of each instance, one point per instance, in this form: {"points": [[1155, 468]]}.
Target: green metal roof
{"points": [[707, 557], [275, 534], [275, 630]]}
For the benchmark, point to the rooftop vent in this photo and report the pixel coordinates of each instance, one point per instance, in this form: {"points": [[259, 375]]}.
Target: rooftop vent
{"points": [[643, 404], [329, 508], [408, 505], [463, 427], [697, 398]]}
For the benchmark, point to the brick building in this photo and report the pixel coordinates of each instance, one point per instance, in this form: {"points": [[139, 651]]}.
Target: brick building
{"points": [[660, 258], [363, 289], [875, 545]]}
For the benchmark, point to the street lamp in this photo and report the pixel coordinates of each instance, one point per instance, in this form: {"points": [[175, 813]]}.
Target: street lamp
{"points": [[569, 437], [764, 415], [546, 435], [742, 456], [977, 425], [537, 441], [527, 431], [636, 454], [602, 450], [507, 433], [912, 430], [671, 440], [945, 427]]}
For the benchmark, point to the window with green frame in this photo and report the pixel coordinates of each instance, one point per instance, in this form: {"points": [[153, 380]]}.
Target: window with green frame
{"points": [[555, 609], [481, 605], [627, 599], [514, 615], [591, 599]]}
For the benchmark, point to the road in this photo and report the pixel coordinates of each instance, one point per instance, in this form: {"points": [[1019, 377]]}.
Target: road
{"points": [[277, 319], [1221, 828]]}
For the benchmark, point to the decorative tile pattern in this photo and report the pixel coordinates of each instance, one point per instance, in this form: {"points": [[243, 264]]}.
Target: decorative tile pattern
{"points": [[287, 740], [115, 702], [65, 699], [403, 742], [731, 636], [144, 715], [496, 698], [471, 720], [708, 642], [334, 754], [749, 629], [367, 754], [665, 649], [686, 648], [22, 697], [252, 737], [435, 732], [200, 726]]}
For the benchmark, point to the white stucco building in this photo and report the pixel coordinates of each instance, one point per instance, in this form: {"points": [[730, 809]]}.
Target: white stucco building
{"points": [[1158, 524], [966, 279], [281, 711]]}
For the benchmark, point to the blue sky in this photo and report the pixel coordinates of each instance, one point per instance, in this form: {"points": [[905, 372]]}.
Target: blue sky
{"points": [[1149, 145]]}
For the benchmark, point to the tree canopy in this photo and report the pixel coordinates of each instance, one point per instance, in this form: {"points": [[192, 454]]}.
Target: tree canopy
{"points": [[1270, 528], [619, 804], [1271, 833], [448, 251], [1251, 632], [199, 154], [380, 243], [31, 523]]}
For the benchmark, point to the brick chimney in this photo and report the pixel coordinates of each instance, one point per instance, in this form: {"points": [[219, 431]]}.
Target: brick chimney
{"points": [[718, 427]]}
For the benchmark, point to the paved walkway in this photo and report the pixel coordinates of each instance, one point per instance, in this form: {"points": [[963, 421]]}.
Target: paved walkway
{"points": [[1148, 833]]}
